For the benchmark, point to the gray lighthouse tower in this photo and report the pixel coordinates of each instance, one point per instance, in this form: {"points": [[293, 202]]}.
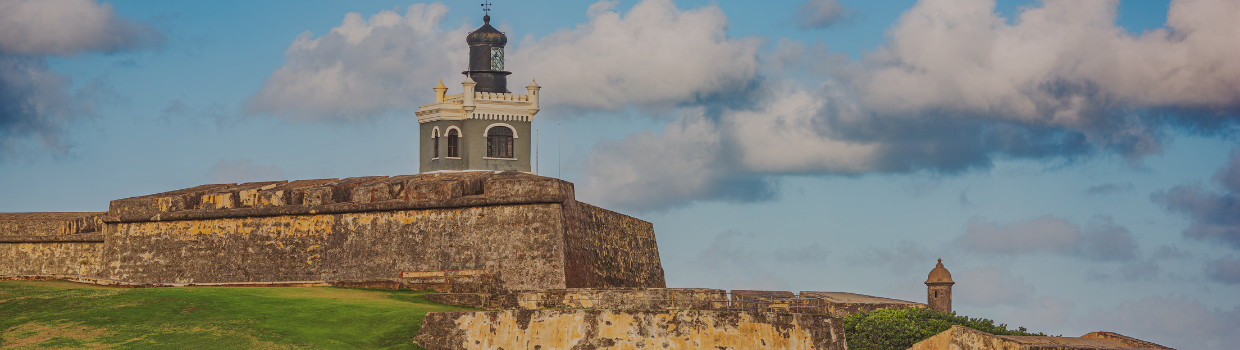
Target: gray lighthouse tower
{"points": [[485, 127]]}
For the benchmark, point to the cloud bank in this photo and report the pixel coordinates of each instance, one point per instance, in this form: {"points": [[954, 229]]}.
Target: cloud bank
{"points": [[37, 104], [954, 88], [1101, 239], [1173, 321]]}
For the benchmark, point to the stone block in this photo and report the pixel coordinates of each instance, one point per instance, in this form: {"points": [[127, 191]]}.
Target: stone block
{"points": [[513, 184], [381, 190], [179, 200], [433, 190], [342, 190], [316, 196]]}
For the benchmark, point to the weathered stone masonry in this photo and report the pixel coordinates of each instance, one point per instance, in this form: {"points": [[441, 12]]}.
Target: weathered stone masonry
{"points": [[40, 244], [629, 329], [504, 230]]}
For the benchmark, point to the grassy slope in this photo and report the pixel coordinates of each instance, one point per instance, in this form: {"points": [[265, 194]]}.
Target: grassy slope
{"points": [[70, 315]]}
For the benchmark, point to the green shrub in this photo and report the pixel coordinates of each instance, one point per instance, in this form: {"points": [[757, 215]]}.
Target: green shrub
{"points": [[899, 329]]}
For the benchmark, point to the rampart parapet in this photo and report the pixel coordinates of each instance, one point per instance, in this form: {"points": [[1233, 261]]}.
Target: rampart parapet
{"points": [[349, 195]]}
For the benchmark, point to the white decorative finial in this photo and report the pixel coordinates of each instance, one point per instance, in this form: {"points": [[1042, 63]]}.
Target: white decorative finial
{"points": [[440, 92]]}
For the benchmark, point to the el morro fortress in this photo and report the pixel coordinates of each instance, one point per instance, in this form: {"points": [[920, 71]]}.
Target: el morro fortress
{"points": [[477, 227]]}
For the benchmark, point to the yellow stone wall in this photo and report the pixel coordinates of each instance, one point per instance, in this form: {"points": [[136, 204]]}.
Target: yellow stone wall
{"points": [[628, 329]]}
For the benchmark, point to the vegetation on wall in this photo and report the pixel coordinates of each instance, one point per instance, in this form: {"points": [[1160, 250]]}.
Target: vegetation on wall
{"points": [[899, 329]]}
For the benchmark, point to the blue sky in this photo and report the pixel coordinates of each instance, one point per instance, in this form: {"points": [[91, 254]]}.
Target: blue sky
{"points": [[1073, 163]]}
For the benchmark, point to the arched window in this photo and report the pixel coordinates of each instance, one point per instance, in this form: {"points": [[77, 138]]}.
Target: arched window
{"points": [[499, 142], [454, 151], [435, 140]]}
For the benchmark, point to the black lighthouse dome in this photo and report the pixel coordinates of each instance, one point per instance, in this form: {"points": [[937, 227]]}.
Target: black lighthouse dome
{"points": [[486, 34], [486, 58]]}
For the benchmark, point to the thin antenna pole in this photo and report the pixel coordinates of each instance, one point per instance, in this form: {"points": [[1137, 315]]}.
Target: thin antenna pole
{"points": [[559, 150], [537, 155]]}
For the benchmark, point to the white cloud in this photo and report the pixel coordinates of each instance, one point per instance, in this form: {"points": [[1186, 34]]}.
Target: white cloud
{"points": [[782, 135], [820, 14], [649, 171], [365, 67], [67, 27], [723, 156], [653, 55], [243, 170]]}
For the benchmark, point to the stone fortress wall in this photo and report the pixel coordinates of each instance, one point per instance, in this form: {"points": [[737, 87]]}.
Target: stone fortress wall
{"points": [[477, 231], [35, 244], [662, 318]]}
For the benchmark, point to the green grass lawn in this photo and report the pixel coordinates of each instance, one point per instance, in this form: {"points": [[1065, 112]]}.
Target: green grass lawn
{"points": [[71, 315]]}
